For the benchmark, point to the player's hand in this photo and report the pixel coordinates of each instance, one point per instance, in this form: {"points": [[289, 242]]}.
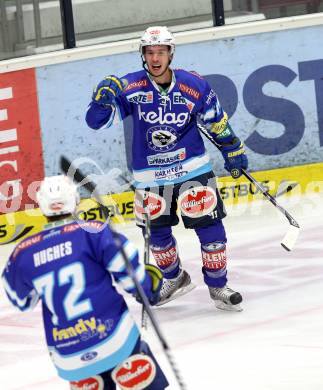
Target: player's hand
{"points": [[156, 277], [235, 158], [107, 90]]}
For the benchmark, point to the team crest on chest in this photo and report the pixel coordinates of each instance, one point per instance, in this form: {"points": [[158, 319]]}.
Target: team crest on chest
{"points": [[161, 138]]}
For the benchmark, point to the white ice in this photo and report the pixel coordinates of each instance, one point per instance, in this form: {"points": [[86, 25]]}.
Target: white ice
{"points": [[275, 343]]}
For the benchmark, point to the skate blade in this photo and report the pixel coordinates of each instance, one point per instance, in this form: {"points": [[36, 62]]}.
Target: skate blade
{"points": [[227, 307], [178, 293]]}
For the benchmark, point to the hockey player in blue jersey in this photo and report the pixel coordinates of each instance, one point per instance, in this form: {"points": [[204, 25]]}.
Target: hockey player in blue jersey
{"points": [[71, 267], [171, 167]]}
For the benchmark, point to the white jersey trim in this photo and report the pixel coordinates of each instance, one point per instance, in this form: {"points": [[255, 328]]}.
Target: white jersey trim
{"points": [[150, 174], [117, 263]]}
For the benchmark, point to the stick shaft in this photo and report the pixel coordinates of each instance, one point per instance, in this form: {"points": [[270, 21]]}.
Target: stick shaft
{"points": [[265, 193]]}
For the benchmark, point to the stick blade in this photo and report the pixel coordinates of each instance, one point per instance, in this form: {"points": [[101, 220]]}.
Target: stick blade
{"points": [[65, 164], [290, 238], [285, 186], [76, 175]]}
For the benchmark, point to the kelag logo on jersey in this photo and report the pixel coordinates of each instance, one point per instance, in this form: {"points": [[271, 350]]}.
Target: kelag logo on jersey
{"points": [[167, 158], [168, 118], [161, 138], [141, 97]]}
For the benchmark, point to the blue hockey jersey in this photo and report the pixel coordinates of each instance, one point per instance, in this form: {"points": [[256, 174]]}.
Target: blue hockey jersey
{"points": [[71, 268], [167, 146]]}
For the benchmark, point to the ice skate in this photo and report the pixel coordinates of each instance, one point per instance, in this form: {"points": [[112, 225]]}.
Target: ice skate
{"points": [[174, 288], [225, 298]]}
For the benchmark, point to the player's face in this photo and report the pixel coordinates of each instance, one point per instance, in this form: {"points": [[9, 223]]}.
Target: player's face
{"points": [[157, 59]]}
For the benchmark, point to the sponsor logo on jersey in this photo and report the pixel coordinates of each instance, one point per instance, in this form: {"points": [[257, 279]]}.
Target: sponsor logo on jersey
{"points": [[52, 233], [27, 243], [209, 97], [169, 176], [89, 356], [225, 133], [167, 158], [219, 127], [168, 118], [83, 329], [178, 98], [136, 372], [170, 173], [88, 225], [198, 201], [161, 138], [137, 84], [141, 97], [149, 203], [190, 105], [189, 90]]}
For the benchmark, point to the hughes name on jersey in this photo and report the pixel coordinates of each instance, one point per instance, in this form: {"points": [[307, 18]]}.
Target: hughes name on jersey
{"points": [[86, 332], [167, 146]]}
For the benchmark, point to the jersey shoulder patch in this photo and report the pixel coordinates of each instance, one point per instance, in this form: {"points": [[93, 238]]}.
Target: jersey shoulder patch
{"points": [[26, 243], [135, 81], [189, 84]]}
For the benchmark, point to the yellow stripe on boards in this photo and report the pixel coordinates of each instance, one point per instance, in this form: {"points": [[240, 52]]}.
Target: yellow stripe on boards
{"points": [[309, 179]]}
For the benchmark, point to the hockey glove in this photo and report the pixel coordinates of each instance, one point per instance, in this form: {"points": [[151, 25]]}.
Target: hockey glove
{"points": [[235, 158], [156, 278], [107, 90]]}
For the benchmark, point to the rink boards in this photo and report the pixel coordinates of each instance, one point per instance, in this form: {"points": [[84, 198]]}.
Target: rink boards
{"points": [[304, 179]]}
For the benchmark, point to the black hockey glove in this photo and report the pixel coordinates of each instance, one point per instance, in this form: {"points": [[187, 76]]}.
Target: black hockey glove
{"points": [[235, 157]]}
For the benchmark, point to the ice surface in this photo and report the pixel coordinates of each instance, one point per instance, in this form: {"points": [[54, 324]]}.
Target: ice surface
{"points": [[276, 343]]}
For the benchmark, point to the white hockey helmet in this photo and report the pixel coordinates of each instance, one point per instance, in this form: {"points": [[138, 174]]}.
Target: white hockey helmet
{"points": [[57, 195], [157, 35]]}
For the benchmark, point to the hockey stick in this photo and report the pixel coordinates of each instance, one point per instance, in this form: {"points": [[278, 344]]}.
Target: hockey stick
{"points": [[76, 175], [144, 324], [292, 233], [146, 234]]}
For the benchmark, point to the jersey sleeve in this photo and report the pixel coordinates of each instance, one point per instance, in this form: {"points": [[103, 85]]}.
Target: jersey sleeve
{"points": [[114, 247], [214, 117], [21, 294], [98, 117]]}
